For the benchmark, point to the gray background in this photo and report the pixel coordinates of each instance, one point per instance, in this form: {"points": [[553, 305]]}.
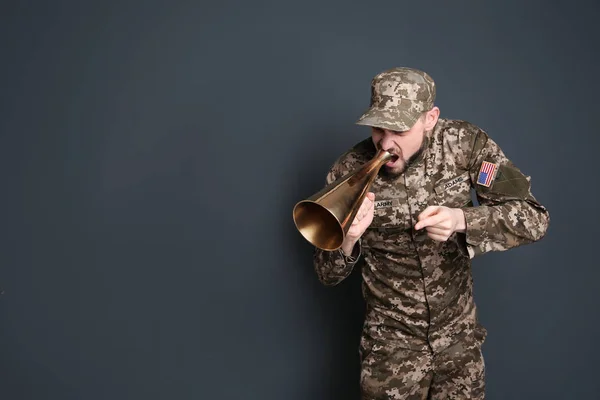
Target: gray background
{"points": [[151, 154]]}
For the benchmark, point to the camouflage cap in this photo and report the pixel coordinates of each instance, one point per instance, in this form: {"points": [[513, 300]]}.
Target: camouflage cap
{"points": [[398, 98]]}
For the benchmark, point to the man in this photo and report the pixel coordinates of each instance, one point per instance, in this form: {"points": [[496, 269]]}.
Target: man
{"points": [[417, 231]]}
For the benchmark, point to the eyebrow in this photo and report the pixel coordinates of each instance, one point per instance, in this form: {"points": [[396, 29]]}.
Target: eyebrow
{"points": [[391, 130]]}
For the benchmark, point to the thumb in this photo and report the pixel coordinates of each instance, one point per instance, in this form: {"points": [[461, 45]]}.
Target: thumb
{"points": [[371, 196]]}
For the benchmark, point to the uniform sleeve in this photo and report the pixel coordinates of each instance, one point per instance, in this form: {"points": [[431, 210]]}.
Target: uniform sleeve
{"points": [[508, 215], [332, 267]]}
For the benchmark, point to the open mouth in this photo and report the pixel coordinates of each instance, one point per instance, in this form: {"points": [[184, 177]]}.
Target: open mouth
{"points": [[392, 160]]}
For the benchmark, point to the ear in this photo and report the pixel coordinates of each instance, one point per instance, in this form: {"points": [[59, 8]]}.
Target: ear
{"points": [[431, 118]]}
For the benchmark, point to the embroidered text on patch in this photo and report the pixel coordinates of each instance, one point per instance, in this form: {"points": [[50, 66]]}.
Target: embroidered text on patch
{"points": [[383, 203], [454, 181], [487, 173]]}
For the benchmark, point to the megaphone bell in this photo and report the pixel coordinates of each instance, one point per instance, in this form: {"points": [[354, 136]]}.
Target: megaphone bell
{"points": [[325, 217]]}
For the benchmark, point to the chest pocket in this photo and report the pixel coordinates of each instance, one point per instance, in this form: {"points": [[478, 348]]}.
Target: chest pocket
{"points": [[453, 192], [390, 214], [387, 232]]}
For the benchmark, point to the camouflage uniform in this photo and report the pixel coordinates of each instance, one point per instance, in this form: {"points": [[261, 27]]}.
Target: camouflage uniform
{"points": [[421, 335]]}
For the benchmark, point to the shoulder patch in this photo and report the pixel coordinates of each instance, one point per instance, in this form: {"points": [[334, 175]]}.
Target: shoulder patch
{"points": [[487, 173]]}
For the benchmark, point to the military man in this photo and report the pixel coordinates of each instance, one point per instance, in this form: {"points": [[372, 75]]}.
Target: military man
{"points": [[417, 232]]}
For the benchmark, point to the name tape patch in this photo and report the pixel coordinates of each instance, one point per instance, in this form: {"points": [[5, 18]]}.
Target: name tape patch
{"points": [[452, 182], [379, 204]]}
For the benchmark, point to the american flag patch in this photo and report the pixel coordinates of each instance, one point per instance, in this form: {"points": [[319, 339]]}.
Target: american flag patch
{"points": [[487, 172]]}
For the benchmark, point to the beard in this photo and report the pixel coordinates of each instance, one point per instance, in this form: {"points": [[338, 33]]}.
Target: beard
{"points": [[393, 173]]}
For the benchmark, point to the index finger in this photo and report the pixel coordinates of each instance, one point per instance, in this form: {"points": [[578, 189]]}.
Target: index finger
{"points": [[429, 221]]}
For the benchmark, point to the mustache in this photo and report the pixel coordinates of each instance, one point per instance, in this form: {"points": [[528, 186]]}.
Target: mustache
{"points": [[396, 152]]}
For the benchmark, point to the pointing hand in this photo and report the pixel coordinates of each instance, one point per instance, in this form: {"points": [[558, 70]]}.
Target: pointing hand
{"points": [[441, 222]]}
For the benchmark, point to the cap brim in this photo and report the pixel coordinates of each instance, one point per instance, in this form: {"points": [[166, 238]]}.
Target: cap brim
{"points": [[395, 119]]}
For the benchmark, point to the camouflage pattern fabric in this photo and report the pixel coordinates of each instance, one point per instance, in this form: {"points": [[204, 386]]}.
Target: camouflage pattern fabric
{"points": [[398, 97], [456, 372], [419, 292]]}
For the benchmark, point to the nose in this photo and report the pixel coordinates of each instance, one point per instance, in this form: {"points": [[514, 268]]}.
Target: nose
{"points": [[386, 142]]}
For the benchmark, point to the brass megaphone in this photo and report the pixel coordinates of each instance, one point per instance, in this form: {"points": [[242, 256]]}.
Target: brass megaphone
{"points": [[325, 217]]}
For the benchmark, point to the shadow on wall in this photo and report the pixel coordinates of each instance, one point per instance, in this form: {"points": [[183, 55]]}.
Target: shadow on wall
{"points": [[337, 312]]}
